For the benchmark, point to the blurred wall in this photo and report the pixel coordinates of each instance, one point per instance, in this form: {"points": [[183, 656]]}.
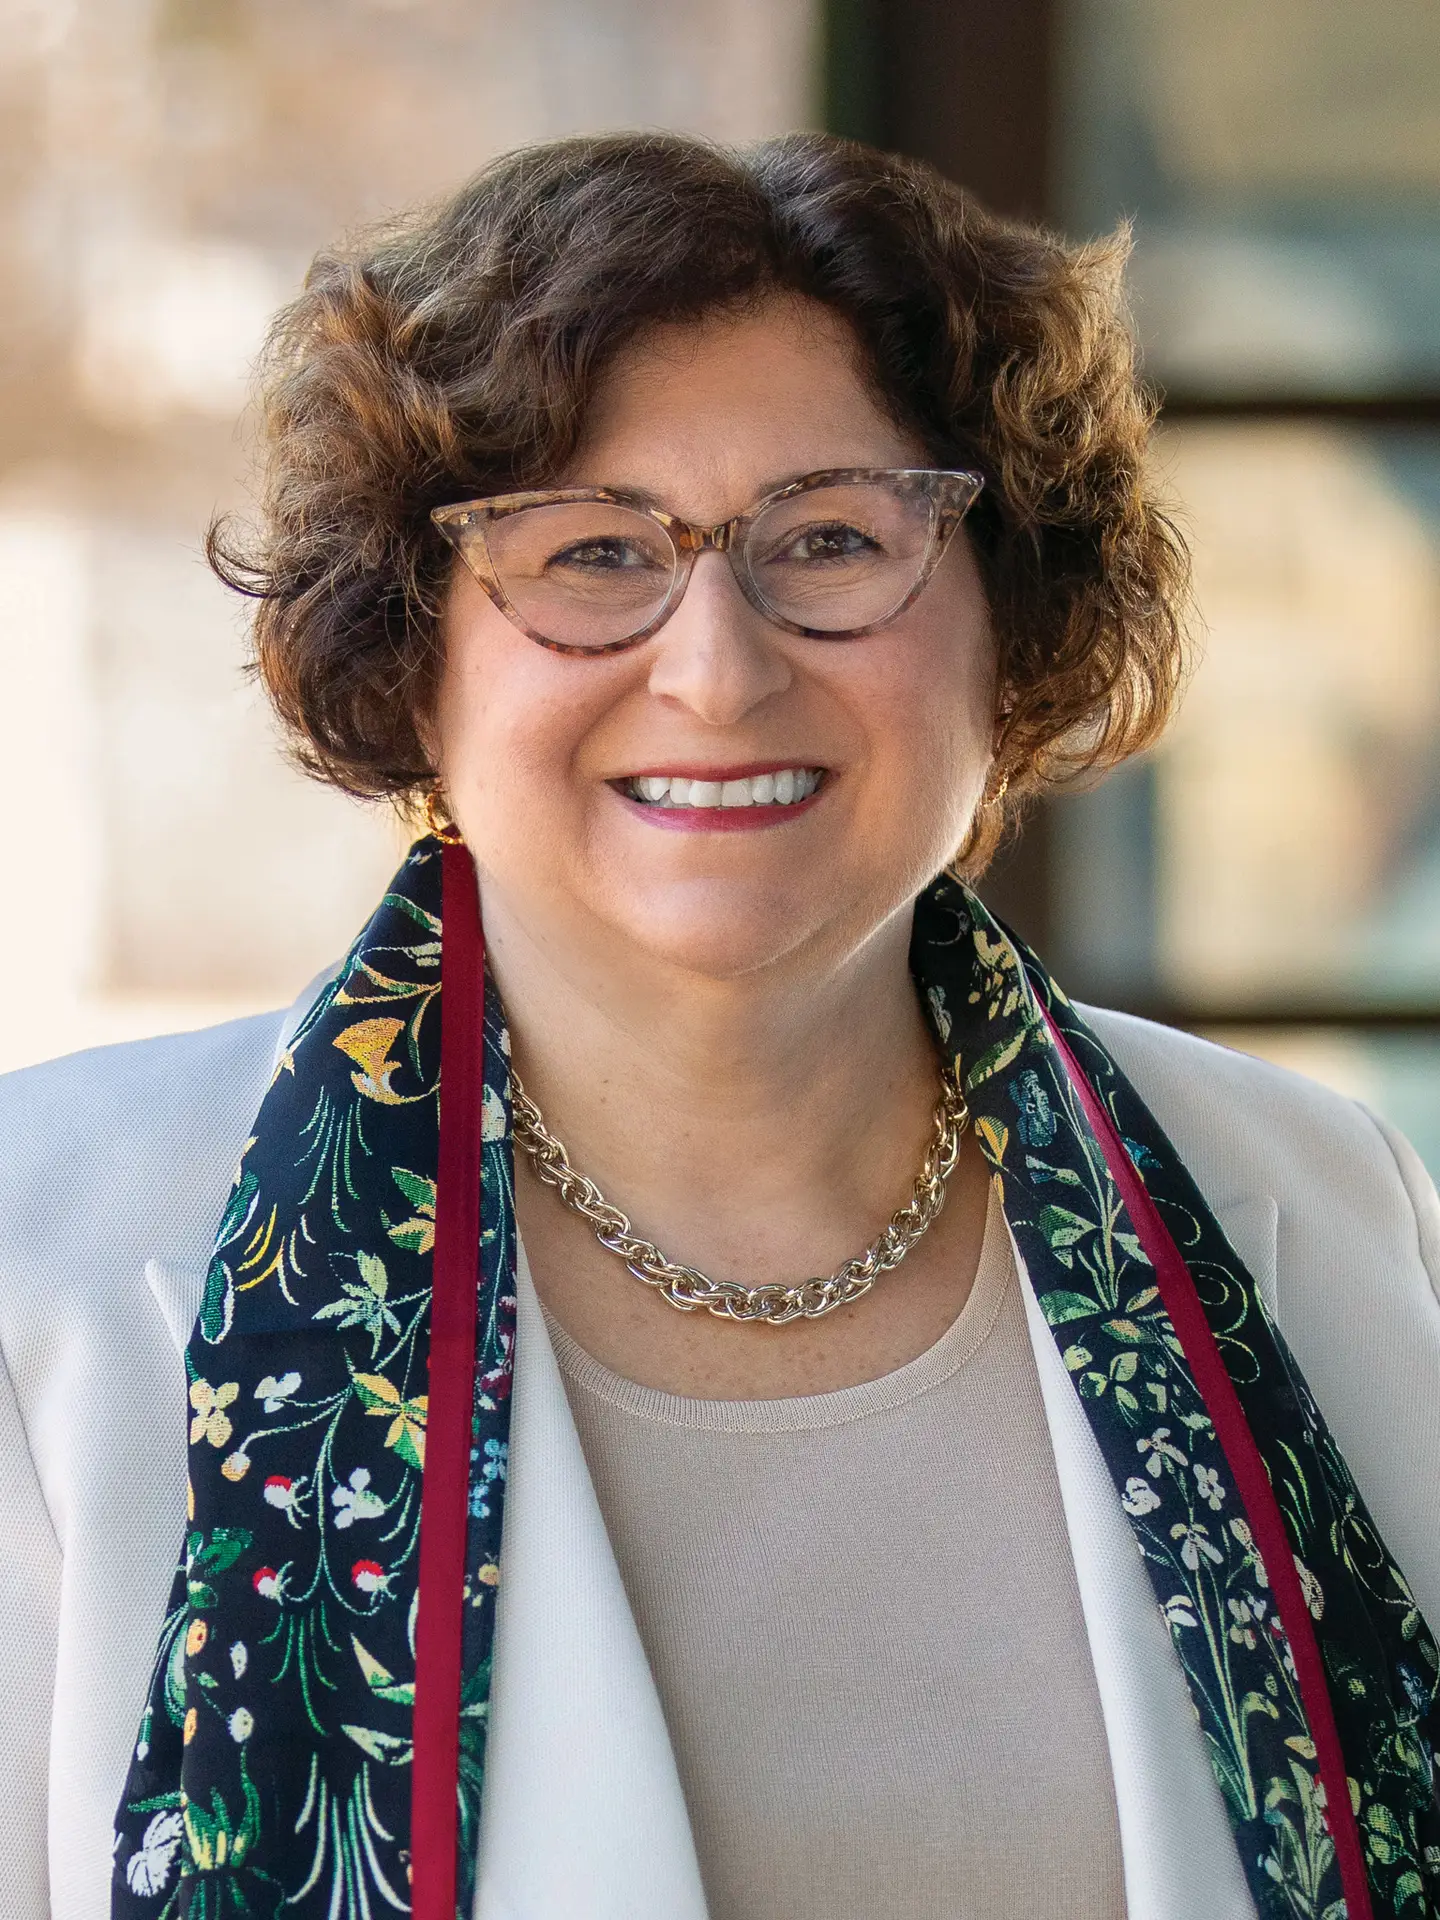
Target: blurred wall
{"points": [[167, 167]]}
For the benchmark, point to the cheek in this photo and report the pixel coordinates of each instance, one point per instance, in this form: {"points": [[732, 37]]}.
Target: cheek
{"points": [[509, 721], [930, 710]]}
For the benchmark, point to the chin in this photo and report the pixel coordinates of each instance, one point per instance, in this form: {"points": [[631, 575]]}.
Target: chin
{"points": [[720, 932]]}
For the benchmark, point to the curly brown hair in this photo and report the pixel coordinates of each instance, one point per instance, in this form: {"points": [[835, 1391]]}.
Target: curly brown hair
{"points": [[454, 352]]}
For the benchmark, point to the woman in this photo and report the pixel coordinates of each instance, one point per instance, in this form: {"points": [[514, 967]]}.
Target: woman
{"points": [[716, 546]]}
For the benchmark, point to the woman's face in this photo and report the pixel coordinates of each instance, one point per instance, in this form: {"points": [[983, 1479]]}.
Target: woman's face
{"points": [[537, 749]]}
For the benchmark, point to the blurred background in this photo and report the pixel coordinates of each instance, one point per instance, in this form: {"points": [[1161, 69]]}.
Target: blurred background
{"points": [[1270, 876]]}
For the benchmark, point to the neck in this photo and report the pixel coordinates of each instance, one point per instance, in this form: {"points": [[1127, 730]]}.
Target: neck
{"points": [[775, 1118]]}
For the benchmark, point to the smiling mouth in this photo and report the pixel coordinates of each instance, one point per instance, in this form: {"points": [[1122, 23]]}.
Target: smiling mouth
{"points": [[779, 788]]}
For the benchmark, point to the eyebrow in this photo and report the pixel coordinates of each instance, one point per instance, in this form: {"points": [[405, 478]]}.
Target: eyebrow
{"points": [[767, 486]]}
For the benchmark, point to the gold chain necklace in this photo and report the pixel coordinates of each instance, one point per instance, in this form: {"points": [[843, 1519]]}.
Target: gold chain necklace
{"points": [[687, 1289]]}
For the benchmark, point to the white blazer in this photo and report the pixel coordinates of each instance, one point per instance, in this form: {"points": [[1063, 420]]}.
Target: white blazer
{"points": [[114, 1166]]}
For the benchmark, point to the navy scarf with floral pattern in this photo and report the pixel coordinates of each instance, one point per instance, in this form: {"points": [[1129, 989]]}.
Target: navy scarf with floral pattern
{"points": [[272, 1772]]}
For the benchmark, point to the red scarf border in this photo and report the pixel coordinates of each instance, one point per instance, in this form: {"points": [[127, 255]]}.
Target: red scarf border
{"points": [[446, 1486]]}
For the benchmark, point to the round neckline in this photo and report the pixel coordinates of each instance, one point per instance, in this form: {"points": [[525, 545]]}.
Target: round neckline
{"points": [[956, 1347]]}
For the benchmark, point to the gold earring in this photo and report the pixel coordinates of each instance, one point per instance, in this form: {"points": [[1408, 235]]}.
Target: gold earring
{"points": [[444, 830], [999, 794]]}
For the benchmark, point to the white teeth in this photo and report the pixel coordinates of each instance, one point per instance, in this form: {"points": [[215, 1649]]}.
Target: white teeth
{"points": [[760, 790]]}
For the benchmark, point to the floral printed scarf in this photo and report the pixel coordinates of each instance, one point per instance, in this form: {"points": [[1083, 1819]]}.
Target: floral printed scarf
{"points": [[314, 1739]]}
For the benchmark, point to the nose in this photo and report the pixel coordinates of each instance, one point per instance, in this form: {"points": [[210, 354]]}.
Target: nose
{"points": [[715, 656]]}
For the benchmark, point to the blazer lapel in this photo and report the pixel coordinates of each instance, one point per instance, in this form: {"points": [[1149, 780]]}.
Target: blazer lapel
{"points": [[1180, 1858], [1251, 1226], [178, 1291], [178, 1286], [583, 1810]]}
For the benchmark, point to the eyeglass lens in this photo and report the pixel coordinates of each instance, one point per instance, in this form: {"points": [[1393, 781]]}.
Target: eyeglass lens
{"points": [[834, 559], [582, 573]]}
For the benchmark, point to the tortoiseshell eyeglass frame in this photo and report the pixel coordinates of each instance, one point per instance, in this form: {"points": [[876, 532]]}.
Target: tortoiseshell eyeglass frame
{"points": [[951, 494]]}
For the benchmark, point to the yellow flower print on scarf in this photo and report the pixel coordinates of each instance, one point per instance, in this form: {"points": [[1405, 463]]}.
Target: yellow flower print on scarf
{"points": [[368, 1044], [211, 1421], [407, 1424]]}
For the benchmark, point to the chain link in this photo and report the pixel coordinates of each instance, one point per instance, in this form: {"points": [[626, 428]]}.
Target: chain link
{"points": [[687, 1288]]}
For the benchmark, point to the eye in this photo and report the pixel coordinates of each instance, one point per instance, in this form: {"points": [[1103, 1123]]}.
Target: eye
{"points": [[611, 553], [824, 541]]}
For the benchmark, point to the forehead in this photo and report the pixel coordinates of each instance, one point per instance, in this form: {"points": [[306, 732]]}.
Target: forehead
{"points": [[710, 413]]}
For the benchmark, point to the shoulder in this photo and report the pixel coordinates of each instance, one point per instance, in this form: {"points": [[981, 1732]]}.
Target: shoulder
{"points": [[1242, 1124], [139, 1078], [129, 1144], [135, 1142], [1349, 1190]]}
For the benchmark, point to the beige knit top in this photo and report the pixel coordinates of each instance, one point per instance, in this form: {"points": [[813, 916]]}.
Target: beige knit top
{"points": [[862, 1617]]}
